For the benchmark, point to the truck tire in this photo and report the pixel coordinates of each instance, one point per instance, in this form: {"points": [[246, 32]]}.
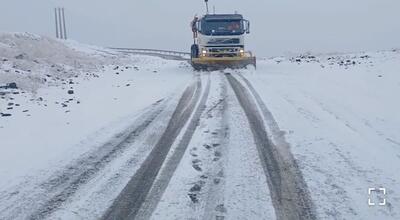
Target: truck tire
{"points": [[194, 51]]}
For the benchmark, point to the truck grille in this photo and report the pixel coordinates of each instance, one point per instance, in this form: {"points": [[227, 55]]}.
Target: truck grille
{"points": [[224, 41], [223, 51]]}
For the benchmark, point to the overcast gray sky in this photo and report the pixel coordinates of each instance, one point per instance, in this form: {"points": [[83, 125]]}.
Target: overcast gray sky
{"points": [[278, 26]]}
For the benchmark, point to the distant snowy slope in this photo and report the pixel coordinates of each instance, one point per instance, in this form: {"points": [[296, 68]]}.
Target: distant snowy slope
{"points": [[30, 60]]}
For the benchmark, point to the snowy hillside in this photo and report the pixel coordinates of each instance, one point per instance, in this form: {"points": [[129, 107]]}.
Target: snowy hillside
{"points": [[84, 128]]}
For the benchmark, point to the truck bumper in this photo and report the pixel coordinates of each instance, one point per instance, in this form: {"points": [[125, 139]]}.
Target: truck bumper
{"points": [[218, 63]]}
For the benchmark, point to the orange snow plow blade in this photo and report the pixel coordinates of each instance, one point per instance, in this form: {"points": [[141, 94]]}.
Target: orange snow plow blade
{"points": [[219, 63]]}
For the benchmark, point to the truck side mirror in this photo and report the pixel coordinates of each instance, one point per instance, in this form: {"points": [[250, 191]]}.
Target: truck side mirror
{"points": [[247, 27]]}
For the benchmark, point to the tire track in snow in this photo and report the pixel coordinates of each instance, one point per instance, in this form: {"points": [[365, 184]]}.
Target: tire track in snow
{"points": [[289, 192], [214, 207], [63, 186], [162, 181], [129, 201]]}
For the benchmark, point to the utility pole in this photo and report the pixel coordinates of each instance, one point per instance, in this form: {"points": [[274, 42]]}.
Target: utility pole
{"points": [[55, 15], [206, 5], [65, 28], [61, 28], [60, 23]]}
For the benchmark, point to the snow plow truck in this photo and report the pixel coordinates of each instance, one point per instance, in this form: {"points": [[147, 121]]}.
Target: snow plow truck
{"points": [[219, 42]]}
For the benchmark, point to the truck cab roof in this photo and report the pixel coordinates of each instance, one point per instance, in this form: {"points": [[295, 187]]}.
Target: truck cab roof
{"points": [[216, 17]]}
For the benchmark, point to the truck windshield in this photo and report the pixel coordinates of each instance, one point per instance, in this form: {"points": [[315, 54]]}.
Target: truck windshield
{"points": [[222, 27]]}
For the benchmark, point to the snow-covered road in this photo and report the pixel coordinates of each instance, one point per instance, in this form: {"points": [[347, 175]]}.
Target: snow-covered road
{"points": [[148, 138]]}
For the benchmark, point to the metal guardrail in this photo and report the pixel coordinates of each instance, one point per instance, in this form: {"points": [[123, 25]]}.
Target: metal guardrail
{"points": [[162, 53]]}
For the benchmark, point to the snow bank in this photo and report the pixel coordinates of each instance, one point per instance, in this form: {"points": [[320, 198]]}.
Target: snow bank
{"points": [[32, 61]]}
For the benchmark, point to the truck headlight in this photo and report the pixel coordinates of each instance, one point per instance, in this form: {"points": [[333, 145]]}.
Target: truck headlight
{"points": [[204, 52], [241, 51]]}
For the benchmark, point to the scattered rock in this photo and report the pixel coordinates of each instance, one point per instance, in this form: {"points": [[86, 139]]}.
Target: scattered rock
{"points": [[70, 91], [193, 197], [64, 105], [128, 84], [20, 57], [208, 147], [220, 208], [197, 167], [195, 188], [5, 114], [12, 85]]}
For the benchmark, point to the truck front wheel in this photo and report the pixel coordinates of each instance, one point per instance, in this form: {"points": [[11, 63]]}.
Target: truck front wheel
{"points": [[194, 51]]}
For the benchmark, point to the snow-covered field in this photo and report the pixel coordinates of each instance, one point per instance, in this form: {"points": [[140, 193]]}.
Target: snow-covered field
{"points": [[71, 133], [341, 115]]}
